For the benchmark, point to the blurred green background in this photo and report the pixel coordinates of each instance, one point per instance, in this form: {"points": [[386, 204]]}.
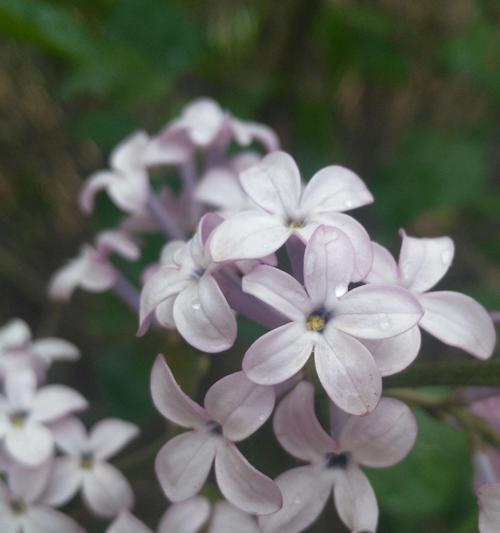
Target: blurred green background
{"points": [[405, 93]]}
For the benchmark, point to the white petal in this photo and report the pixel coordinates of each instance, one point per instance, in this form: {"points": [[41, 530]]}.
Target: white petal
{"points": [[127, 155], [243, 485], [27, 483], [220, 179], [31, 445], [384, 268], [227, 519], [489, 505], [70, 435], [183, 464], [95, 183], [52, 349], [66, 279], [127, 523], [14, 334], [119, 242], [423, 262], [245, 131], [64, 482], [109, 436], [55, 401], [41, 519], [460, 321], [188, 516]]}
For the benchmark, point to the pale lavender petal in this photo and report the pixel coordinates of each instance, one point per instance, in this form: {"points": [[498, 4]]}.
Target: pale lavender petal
{"points": [[188, 516], [227, 518], [55, 401], [183, 464], [355, 500], [395, 353], [460, 321], [220, 179], [305, 492], [278, 355], [66, 279], [203, 316], [165, 312], [297, 428], [26, 483], [30, 445], [328, 265], [239, 405], [274, 183], [377, 311], [489, 508], [109, 436], [423, 262], [243, 485], [14, 334], [42, 519], [95, 183], [66, 479], [335, 188], [118, 242], [70, 435], [279, 290], [51, 349], [171, 401], [127, 155], [130, 192], [245, 131], [384, 268], [383, 437], [248, 235], [347, 372], [128, 523]]}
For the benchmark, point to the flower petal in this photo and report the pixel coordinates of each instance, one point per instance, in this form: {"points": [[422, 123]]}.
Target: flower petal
{"points": [[305, 492], [55, 401], [384, 267], [328, 265], [248, 235], [245, 131], [274, 183], [95, 183], [278, 355], [347, 372], [228, 518], [335, 188], [41, 519], [51, 349], [243, 485], [66, 479], [203, 316], [458, 320], [279, 290], [119, 242], [27, 484], [423, 262], [66, 279], [14, 334], [383, 437], [221, 179], [297, 428], [489, 508], [377, 311], [70, 435], [31, 445], [128, 523], [171, 401], [127, 155], [188, 516], [183, 464], [109, 436]]}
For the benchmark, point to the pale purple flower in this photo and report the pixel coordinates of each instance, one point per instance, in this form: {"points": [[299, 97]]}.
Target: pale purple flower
{"points": [[23, 508], [26, 415], [85, 466], [127, 182], [452, 317], [284, 207], [380, 439], [234, 408], [184, 294], [489, 508], [91, 269], [326, 319]]}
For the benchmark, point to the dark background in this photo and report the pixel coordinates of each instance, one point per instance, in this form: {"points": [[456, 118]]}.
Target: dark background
{"points": [[405, 93]]}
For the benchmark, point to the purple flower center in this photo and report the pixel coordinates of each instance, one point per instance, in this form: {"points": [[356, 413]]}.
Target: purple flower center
{"points": [[214, 427], [337, 460]]}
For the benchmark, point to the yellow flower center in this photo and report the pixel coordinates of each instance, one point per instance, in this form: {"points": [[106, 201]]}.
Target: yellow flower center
{"points": [[315, 323], [294, 224], [86, 461], [18, 420]]}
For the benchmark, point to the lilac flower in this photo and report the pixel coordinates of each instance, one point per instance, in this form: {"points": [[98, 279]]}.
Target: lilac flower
{"points": [[380, 439], [23, 508], [234, 409], [184, 294], [325, 318], [285, 207], [91, 269], [26, 415], [85, 466], [489, 508], [452, 317]]}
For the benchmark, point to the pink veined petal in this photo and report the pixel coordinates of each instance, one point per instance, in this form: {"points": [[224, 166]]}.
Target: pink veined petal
{"points": [[305, 492], [360, 240], [183, 464], [66, 279], [328, 265], [335, 188], [119, 242], [109, 436], [239, 405], [423, 262], [297, 428], [377, 311], [95, 183], [203, 316], [171, 401], [70, 435], [383, 437], [274, 184], [227, 519], [458, 320], [106, 491], [355, 500], [489, 508], [279, 290], [243, 485], [55, 401], [384, 267], [278, 355], [166, 282], [42, 519], [28, 483], [395, 353], [347, 372], [250, 234], [188, 516], [66, 479], [30, 445], [127, 523], [51, 349]]}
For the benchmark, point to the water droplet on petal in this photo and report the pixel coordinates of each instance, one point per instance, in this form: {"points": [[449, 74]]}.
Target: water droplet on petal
{"points": [[348, 203], [297, 501], [262, 417], [340, 290], [446, 256], [195, 304], [385, 322]]}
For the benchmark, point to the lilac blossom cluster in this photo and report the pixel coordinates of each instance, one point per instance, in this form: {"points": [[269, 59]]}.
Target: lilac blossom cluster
{"points": [[245, 236]]}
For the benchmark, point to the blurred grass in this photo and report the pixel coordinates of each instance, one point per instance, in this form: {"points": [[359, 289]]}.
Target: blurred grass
{"points": [[405, 93]]}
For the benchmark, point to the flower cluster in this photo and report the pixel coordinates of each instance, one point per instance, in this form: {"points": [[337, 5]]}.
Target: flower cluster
{"points": [[247, 237]]}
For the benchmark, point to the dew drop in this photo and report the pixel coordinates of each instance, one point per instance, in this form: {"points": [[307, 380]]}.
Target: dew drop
{"points": [[385, 323], [340, 290], [195, 304], [297, 501], [348, 203], [445, 256], [262, 417]]}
